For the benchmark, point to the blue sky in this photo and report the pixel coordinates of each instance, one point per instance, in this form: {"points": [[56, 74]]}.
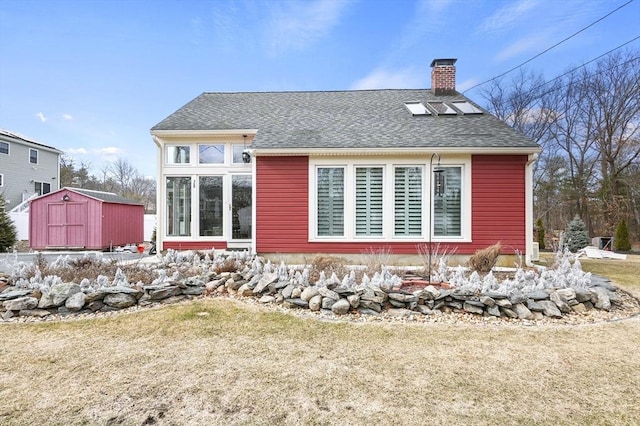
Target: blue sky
{"points": [[91, 77]]}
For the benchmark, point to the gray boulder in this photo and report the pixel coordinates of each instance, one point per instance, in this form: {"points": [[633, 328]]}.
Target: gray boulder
{"points": [[119, 300], [61, 291], [75, 302], [21, 303], [308, 293], [341, 307]]}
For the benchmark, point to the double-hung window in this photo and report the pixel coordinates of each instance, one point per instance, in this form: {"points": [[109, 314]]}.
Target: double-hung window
{"points": [[4, 147], [33, 156], [368, 201], [447, 206], [330, 201]]}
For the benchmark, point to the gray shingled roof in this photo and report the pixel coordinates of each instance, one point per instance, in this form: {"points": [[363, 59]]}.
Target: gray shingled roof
{"points": [[342, 119], [108, 197]]}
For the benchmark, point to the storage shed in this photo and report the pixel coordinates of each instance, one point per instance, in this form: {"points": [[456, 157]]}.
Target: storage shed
{"points": [[74, 218]]}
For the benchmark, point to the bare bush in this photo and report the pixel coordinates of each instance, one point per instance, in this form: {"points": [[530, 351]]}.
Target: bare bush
{"points": [[431, 254], [375, 259], [485, 259]]}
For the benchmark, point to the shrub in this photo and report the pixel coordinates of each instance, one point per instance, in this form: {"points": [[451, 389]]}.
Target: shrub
{"points": [[540, 228], [621, 240], [576, 237], [8, 233], [484, 260]]}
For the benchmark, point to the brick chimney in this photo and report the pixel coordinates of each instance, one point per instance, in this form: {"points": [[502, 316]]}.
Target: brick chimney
{"points": [[443, 76]]}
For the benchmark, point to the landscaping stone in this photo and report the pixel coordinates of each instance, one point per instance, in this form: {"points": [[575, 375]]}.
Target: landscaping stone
{"points": [[20, 303], [37, 313], [550, 309], [13, 294], [61, 291], [341, 307], [75, 302], [471, 308], [264, 282], [119, 300], [267, 299], [522, 311], [308, 293], [315, 303]]}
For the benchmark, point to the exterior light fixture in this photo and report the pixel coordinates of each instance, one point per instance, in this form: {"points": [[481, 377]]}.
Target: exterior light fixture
{"points": [[65, 197], [246, 156]]}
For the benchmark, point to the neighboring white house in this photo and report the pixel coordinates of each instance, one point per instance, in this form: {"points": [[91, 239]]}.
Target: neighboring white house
{"points": [[27, 168]]}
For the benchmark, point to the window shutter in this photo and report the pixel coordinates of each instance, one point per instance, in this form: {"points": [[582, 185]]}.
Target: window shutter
{"points": [[369, 201], [408, 201], [330, 199], [447, 208]]}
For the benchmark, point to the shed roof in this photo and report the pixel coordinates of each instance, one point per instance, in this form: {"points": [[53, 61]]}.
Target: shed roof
{"points": [[367, 119], [108, 197]]}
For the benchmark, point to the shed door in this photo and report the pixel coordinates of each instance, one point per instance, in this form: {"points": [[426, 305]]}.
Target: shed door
{"points": [[66, 224]]}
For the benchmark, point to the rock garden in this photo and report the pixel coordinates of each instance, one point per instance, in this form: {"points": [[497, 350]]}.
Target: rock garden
{"points": [[94, 286]]}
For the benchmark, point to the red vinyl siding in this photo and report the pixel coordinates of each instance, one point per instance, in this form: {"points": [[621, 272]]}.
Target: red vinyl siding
{"points": [[282, 204], [282, 185], [498, 202]]}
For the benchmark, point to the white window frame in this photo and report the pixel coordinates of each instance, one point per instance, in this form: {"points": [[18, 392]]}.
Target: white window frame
{"points": [[8, 148], [388, 165], [37, 156], [166, 158], [1, 180]]}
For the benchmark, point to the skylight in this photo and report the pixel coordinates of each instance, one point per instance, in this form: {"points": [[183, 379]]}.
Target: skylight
{"points": [[466, 107], [442, 109], [417, 108]]}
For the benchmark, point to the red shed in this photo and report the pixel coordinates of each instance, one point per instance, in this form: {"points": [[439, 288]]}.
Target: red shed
{"points": [[81, 218]]}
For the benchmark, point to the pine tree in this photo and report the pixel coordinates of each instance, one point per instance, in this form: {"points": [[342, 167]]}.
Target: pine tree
{"points": [[576, 237], [621, 240], [8, 233], [540, 227]]}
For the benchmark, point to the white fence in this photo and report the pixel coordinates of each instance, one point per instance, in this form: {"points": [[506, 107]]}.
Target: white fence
{"points": [[21, 221]]}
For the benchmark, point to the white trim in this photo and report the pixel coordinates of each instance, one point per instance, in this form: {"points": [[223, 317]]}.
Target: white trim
{"points": [[203, 133], [528, 207], [388, 165], [396, 152]]}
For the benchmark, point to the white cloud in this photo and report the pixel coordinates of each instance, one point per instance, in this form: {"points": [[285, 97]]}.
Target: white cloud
{"points": [[75, 151], [67, 117], [41, 117], [407, 78], [507, 17], [528, 44], [110, 150], [295, 25]]}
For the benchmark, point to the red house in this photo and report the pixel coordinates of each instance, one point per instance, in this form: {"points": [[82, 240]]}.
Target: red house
{"points": [[343, 172], [79, 218]]}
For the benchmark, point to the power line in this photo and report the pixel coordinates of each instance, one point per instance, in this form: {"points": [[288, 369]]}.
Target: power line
{"points": [[552, 47], [585, 64]]}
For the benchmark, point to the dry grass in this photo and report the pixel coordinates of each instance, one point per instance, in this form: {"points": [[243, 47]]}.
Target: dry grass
{"points": [[222, 362]]}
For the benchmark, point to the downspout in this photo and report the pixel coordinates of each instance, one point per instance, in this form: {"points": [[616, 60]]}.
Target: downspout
{"points": [[528, 206]]}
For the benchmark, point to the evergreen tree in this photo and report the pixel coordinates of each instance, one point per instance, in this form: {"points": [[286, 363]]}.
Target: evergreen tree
{"points": [[576, 237], [540, 227], [621, 240], [8, 233]]}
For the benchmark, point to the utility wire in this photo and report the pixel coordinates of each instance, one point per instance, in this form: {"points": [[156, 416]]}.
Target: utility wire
{"points": [[584, 65], [552, 47]]}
